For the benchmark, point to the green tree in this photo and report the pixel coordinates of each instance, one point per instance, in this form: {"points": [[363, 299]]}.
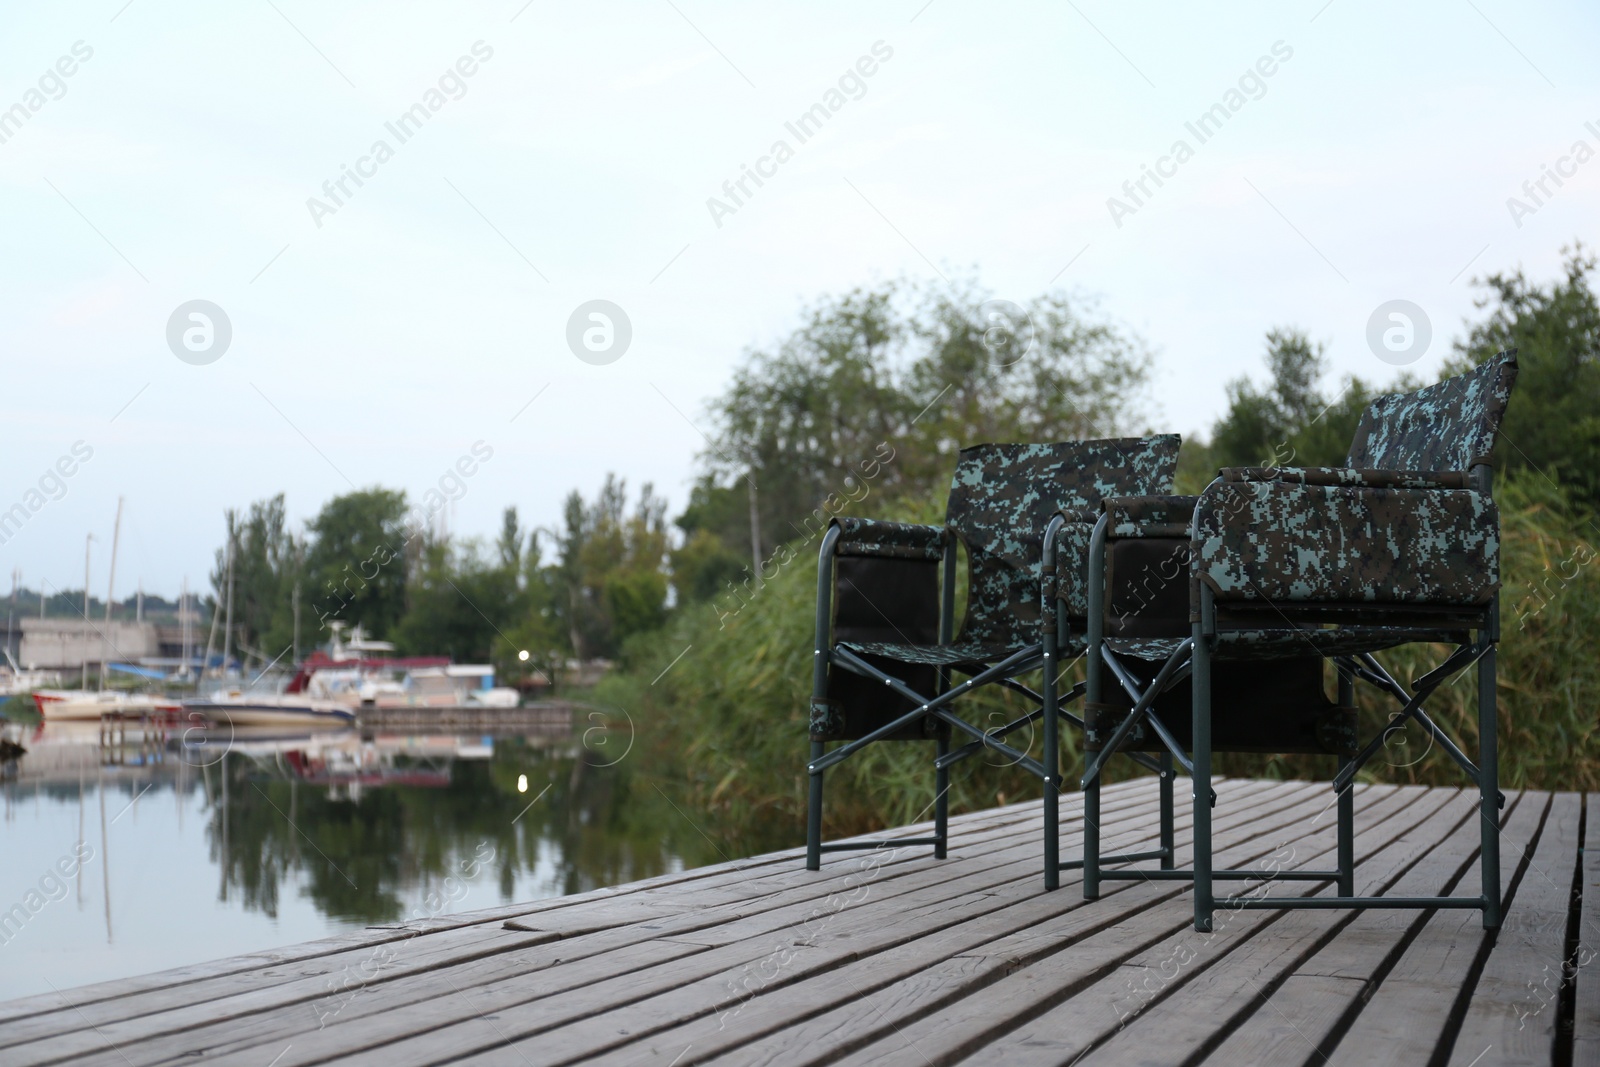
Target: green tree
{"points": [[611, 569], [1553, 423], [268, 561], [460, 600], [538, 628], [986, 371], [1290, 421], [877, 390], [356, 564], [703, 565]]}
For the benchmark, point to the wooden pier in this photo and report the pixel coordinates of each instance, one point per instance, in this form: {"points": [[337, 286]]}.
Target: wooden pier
{"points": [[890, 957]]}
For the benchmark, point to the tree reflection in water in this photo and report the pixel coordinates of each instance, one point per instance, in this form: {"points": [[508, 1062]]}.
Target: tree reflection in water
{"points": [[371, 833]]}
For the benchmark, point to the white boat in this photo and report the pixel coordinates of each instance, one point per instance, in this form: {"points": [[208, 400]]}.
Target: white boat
{"points": [[57, 705], [241, 708], [14, 681], [465, 685]]}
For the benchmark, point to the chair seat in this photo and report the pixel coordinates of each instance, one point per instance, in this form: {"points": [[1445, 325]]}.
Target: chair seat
{"points": [[969, 654], [1259, 644]]}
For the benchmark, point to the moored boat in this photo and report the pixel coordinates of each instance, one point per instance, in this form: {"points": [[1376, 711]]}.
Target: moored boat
{"points": [[270, 709], [76, 704]]}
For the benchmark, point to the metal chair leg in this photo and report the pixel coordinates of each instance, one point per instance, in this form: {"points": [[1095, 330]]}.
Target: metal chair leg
{"points": [[1167, 847], [1204, 899], [1488, 790], [814, 813], [941, 799], [1347, 804], [1091, 840], [1052, 768]]}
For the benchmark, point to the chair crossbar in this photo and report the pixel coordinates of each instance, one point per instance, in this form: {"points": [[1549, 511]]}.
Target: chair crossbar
{"points": [[1145, 760], [850, 661], [1018, 758], [957, 755], [1172, 744], [851, 846], [1019, 662], [1120, 857], [1139, 873], [1170, 673], [1455, 752], [1468, 653], [1325, 903], [1412, 708], [1018, 687]]}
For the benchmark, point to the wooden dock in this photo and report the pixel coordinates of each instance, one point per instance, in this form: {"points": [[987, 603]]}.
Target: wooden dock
{"points": [[890, 957]]}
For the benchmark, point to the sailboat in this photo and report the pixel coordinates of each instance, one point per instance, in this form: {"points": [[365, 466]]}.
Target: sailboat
{"points": [[57, 705]]}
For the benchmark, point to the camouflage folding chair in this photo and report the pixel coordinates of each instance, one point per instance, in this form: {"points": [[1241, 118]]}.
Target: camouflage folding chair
{"points": [[1211, 617], [884, 650]]}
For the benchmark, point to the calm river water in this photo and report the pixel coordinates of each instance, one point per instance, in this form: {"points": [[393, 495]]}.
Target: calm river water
{"points": [[131, 858]]}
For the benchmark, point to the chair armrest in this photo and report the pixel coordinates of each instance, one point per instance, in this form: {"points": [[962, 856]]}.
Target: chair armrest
{"points": [[1127, 517], [875, 537], [1301, 542], [1364, 477], [1149, 516], [1071, 578]]}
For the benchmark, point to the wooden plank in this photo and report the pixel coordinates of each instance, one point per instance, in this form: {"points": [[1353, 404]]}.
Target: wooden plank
{"points": [[782, 908], [977, 946], [1311, 1006], [1188, 1019], [983, 875], [1513, 1012], [712, 875], [319, 979], [1176, 995], [1281, 1032], [851, 1002], [1405, 1019], [448, 1029], [151, 1006], [1068, 1019], [1586, 993]]}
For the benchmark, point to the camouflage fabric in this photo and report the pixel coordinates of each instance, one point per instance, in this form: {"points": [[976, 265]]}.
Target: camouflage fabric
{"points": [[1286, 542], [1070, 586], [1002, 497], [1446, 427], [874, 537], [941, 655], [1367, 478], [1261, 644], [1149, 516]]}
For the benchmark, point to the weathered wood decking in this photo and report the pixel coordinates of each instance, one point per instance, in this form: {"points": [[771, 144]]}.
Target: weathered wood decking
{"points": [[893, 958]]}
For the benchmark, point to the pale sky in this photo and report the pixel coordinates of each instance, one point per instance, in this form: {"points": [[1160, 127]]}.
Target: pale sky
{"points": [[575, 163]]}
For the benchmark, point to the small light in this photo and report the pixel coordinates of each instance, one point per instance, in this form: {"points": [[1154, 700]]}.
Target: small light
{"points": [[522, 783], [523, 655]]}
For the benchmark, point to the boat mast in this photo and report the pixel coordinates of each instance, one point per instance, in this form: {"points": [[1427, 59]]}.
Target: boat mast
{"points": [[227, 626], [111, 592], [211, 637], [183, 624], [84, 685], [11, 616]]}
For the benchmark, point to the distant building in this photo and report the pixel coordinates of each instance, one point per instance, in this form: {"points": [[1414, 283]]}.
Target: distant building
{"points": [[53, 644]]}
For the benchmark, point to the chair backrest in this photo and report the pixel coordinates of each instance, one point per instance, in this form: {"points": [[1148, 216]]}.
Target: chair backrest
{"points": [[1449, 426], [1003, 496]]}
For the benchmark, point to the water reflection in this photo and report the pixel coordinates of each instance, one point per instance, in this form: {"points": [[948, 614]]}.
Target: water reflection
{"points": [[205, 845]]}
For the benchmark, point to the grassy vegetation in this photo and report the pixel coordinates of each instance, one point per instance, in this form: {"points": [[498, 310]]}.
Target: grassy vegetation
{"points": [[20, 709], [724, 729]]}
